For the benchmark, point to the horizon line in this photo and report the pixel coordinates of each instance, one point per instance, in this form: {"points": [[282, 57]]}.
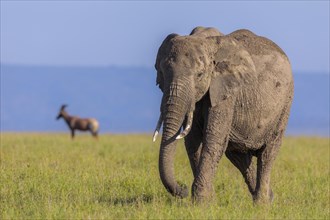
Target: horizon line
{"points": [[126, 66], [76, 65]]}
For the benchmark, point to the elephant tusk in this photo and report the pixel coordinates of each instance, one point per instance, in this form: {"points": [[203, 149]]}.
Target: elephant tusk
{"points": [[159, 124], [188, 126], [155, 136]]}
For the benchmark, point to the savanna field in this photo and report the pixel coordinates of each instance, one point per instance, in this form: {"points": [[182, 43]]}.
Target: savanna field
{"points": [[47, 176]]}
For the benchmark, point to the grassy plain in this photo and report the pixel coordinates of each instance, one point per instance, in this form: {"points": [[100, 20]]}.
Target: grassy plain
{"points": [[47, 176]]}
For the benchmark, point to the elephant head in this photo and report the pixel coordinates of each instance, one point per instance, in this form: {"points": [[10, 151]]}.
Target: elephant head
{"points": [[189, 67]]}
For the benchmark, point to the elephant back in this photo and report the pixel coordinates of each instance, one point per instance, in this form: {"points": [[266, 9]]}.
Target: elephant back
{"points": [[205, 32]]}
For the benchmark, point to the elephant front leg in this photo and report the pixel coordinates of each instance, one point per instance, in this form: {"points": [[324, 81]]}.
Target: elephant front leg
{"points": [[193, 143], [214, 145]]}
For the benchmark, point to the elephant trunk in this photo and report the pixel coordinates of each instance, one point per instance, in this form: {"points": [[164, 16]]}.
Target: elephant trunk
{"points": [[176, 104]]}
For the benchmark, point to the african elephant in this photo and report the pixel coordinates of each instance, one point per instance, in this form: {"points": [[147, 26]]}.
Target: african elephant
{"points": [[230, 94]]}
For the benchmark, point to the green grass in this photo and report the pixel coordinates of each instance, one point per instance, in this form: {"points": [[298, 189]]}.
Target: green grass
{"points": [[47, 176]]}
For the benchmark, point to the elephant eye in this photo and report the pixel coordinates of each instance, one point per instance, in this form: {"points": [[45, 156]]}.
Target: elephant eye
{"points": [[199, 75]]}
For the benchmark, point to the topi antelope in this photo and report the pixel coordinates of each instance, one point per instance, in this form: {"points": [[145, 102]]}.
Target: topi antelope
{"points": [[76, 123]]}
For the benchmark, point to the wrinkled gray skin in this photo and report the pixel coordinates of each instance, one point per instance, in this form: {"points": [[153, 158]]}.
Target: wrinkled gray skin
{"points": [[231, 94]]}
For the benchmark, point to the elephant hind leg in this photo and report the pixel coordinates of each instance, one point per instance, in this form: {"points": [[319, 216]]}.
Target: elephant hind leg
{"points": [[244, 163], [266, 156]]}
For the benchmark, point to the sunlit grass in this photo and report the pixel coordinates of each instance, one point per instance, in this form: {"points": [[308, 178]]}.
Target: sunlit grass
{"points": [[50, 176]]}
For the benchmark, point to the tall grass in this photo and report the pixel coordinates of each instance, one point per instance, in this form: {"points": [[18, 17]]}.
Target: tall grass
{"points": [[46, 176]]}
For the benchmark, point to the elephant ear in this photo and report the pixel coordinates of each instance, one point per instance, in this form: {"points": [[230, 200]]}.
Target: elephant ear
{"points": [[162, 53], [233, 69]]}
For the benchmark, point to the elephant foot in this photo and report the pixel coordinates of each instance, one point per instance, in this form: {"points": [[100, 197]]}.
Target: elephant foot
{"points": [[202, 194], [260, 198], [181, 191]]}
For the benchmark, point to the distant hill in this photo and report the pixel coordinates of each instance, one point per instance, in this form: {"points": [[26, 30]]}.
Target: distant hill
{"points": [[124, 99]]}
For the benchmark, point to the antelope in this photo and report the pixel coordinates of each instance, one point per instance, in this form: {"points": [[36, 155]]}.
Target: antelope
{"points": [[76, 123]]}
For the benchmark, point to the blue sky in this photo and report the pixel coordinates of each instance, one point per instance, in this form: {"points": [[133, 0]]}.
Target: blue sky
{"points": [[128, 33]]}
